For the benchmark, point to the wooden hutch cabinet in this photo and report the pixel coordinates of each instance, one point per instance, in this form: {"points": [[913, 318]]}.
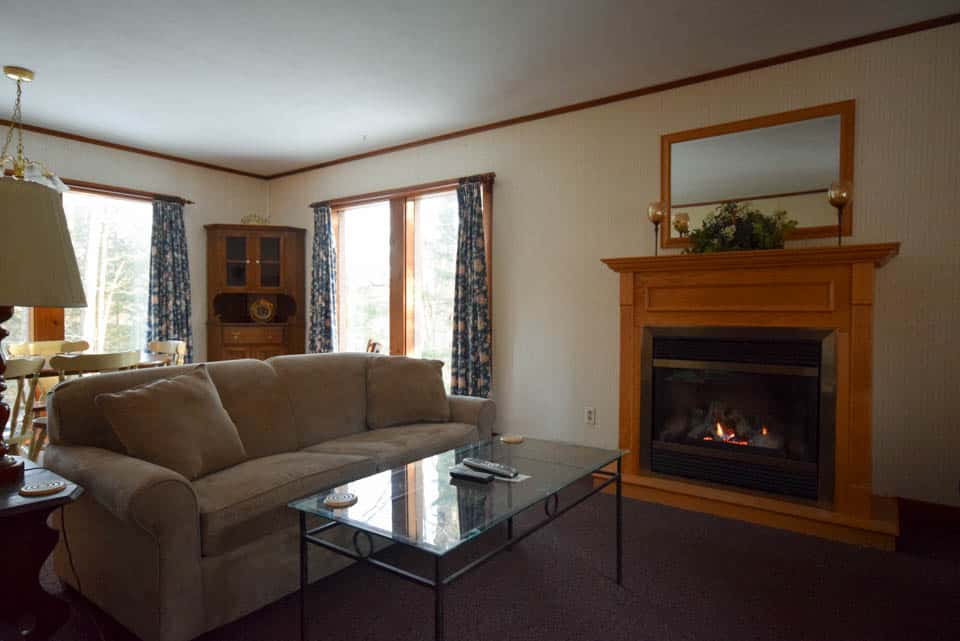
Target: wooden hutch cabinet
{"points": [[257, 266]]}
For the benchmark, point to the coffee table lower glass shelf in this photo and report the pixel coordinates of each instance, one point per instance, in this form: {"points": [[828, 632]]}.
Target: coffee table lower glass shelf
{"points": [[420, 507]]}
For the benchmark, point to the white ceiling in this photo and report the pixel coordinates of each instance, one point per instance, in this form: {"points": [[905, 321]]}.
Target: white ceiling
{"points": [[271, 86]]}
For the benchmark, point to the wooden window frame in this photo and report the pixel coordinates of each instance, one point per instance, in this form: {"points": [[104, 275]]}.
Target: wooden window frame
{"points": [[402, 203]]}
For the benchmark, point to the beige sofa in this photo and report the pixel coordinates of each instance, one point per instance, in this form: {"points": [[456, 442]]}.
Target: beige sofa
{"points": [[171, 559]]}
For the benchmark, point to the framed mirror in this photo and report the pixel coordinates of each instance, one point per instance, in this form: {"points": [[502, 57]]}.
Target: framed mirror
{"points": [[781, 162]]}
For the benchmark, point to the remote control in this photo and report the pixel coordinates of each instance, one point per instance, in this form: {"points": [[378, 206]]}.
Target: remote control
{"points": [[466, 474], [497, 469]]}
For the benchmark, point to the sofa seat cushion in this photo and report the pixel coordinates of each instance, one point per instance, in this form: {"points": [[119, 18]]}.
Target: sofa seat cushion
{"points": [[248, 501], [394, 446]]}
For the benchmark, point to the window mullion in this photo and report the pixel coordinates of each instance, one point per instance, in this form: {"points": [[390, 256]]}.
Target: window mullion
{"points": [[401, 255]]}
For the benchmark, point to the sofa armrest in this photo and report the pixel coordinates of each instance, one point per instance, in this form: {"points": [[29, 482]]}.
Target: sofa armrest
{"points": [[154, 498], [473, 410], [136, 532]]}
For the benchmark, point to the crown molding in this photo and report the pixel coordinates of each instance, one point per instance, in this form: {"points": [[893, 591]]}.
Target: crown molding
{"points": [[133, 150]]}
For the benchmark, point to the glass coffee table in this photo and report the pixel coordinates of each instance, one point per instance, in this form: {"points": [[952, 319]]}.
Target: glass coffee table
{"points": [[420, 506]]}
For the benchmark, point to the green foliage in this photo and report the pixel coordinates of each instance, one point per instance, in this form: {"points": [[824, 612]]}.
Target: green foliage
{"points": [[737, 226]]}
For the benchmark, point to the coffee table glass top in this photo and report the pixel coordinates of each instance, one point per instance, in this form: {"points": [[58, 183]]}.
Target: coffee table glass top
{"points": [[420, 505]]}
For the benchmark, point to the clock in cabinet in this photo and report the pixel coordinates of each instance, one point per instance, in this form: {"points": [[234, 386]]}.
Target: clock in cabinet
{"points": [[256, 296]]}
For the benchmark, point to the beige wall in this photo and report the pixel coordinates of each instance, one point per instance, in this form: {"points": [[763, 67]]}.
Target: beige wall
{"points": [[219, 196], [573, 189]]}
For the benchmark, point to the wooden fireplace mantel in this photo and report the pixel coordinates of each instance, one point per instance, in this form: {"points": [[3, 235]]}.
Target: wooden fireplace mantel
{"points": [[879, 254], [818, 287]]}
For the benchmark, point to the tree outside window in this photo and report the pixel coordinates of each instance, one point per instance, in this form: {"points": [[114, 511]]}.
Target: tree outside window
{"points": [[111, 238], [436, 224]]}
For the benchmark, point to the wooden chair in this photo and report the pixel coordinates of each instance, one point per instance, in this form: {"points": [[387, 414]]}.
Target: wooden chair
{"points": [[47, 348], [175, 350], [24, 371], [79, 365], [373, 347]]}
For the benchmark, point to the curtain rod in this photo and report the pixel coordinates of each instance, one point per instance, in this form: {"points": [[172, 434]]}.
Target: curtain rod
{"points": [[410, 190], [123, 192]]}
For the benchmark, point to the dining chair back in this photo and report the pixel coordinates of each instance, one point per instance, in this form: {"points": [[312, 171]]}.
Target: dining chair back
{"points": [[80, 364], [175, 350], [24, 372], [47, 348]]}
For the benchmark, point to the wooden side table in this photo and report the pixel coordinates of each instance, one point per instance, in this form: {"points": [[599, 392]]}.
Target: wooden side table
{"points": [[25, 543]]}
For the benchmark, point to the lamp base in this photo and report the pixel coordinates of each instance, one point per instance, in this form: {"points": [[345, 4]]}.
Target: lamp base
{"points": [[11, 470]]}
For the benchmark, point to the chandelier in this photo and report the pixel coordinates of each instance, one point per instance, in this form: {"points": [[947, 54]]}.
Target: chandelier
{"points": [[13, 162]]}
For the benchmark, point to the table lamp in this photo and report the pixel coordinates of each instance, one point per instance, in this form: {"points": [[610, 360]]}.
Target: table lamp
{"points": [[38, 267]]}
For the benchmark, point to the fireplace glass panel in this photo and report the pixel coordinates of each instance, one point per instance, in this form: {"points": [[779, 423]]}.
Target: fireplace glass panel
{"points": [[768, 414]]}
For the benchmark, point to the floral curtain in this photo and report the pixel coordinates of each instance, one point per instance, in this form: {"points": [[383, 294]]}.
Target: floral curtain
{"points": [[168, 311], [323, 284], [471, 366]]}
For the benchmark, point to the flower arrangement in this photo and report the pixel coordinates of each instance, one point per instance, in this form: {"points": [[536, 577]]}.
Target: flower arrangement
{"points": [[736, 226]]}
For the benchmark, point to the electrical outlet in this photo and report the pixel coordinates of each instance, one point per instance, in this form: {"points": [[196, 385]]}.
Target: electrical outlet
{"points": [[590, 415]]}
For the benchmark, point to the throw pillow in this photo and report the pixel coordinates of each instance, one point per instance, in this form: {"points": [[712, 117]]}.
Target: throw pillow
{"points": [[403, 390], [178, 423]]}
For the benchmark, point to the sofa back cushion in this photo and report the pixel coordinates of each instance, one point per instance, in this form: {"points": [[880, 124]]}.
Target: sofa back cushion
{"points": [[254, 397], [250, 391], [178, 423], [328, 393], [403, 390]]}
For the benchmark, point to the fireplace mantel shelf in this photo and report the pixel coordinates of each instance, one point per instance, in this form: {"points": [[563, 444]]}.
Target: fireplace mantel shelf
{"points": [[878, 254]]}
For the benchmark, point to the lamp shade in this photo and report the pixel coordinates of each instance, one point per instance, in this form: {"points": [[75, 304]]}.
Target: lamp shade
{"points": [[37, 265]]}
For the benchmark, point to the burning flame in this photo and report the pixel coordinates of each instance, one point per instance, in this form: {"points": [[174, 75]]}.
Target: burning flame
{"points": [[763, 430], [725, 435]]}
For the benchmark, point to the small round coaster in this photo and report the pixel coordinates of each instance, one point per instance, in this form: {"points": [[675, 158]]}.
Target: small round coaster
{"points": [[338, 500], [45, 488], [512, 439]]}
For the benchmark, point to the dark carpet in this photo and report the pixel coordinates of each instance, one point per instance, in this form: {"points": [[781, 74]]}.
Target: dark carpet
{"points": [[686, 576]]}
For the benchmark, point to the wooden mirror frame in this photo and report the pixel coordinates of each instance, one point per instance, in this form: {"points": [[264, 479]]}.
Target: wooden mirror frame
{"points": [[845, 109]]}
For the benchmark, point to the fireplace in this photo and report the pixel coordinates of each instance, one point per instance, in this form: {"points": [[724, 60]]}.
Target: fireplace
{"points": [[778, 308], [745, 407]]}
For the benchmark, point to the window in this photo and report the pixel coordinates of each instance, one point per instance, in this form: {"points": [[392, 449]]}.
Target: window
{"points": [[111, 238], [19, 328], [435, 224], [396, 269], [363, 276]]}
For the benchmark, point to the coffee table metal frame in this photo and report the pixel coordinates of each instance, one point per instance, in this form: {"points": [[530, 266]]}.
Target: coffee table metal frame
{"points": [[363, 548]]}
